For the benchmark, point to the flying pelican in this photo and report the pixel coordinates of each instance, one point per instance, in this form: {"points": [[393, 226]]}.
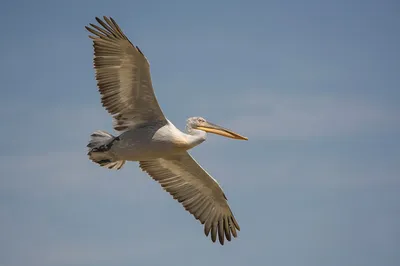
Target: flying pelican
{"points": [[147, 136]]}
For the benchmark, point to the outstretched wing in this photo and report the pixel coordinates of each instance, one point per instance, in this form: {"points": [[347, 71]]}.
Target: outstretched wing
{"points": [[199, 193], [123, 77]]}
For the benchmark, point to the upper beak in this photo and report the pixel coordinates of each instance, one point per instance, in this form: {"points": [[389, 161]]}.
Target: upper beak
{"points": [[212, 128]]}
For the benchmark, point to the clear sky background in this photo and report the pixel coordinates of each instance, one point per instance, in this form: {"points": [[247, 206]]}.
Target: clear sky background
{"points": [[313, 84]]}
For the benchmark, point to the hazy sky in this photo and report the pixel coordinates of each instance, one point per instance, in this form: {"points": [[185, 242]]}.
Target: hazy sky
{"points": [[315, 85]]}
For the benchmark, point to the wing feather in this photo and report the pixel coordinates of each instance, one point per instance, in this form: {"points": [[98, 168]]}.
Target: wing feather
{"points": [[123, 77], [197, 191]]}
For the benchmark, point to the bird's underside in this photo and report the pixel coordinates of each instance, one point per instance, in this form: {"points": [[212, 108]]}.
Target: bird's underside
{"points": [[124, 82]]}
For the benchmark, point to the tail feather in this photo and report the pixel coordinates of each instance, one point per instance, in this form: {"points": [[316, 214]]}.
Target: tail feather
{"points": [[99, 150]]}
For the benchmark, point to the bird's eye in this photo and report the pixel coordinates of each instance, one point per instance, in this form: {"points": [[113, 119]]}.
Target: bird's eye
{"points": [[201, 120]]}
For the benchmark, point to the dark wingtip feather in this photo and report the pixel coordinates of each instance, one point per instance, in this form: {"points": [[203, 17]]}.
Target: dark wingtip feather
{"points": [[227, 229], [88, 29], [214, 232], [98, 20], [104, 24], [206, 230], [98, 34], [235, 223], [221, 232]]}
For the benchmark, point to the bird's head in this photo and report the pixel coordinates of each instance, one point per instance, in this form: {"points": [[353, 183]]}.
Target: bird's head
{"points": [[200, 123]]}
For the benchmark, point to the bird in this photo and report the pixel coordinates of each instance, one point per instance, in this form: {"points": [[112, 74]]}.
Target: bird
{"points": [[146, 136]]}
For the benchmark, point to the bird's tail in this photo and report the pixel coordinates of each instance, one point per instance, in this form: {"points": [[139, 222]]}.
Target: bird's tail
{"points": [[99, 150]]}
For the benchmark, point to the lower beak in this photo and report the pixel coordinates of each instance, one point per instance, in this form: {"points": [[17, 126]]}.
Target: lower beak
{"points": [[212, 128]]}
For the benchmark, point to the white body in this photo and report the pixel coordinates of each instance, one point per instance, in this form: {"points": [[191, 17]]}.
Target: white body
{"points": [[154, 141]]}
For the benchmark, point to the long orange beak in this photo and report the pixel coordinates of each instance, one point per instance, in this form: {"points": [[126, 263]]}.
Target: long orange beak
{"points": [[212, 128]]}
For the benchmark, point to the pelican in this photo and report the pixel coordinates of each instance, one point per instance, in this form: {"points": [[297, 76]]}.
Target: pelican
{"points": [[148, 137]]}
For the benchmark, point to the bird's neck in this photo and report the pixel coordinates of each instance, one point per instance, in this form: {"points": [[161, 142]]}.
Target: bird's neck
{"points": [[195, 137]]}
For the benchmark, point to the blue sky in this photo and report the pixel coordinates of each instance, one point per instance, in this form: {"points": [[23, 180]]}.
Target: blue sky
{"points": [[313, 84]]}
